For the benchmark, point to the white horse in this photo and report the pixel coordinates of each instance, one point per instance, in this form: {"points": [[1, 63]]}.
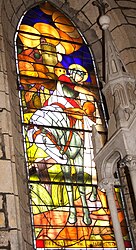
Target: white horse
{"points": [[63, 144]]}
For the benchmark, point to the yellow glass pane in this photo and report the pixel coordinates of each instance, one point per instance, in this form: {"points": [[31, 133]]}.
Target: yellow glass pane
{"points": [[62, 22], [47, 30], [30, 37]]}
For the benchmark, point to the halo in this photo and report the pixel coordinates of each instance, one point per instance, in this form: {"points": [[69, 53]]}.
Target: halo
{"points": [[78, 67]]}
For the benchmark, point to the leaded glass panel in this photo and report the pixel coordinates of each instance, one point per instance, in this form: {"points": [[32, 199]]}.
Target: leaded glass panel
{"points": [[60, 103]]}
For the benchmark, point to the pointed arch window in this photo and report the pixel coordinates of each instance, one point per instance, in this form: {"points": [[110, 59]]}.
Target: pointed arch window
{"points": [[60, 103]]}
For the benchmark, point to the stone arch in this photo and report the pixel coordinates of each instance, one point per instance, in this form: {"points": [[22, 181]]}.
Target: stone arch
{"points": [[109, 165], [106, 159], [120, 96], [85, 19]]}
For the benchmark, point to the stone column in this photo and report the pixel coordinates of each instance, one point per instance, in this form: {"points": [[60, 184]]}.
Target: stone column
{"points": [[108, 185], [130, 162]]}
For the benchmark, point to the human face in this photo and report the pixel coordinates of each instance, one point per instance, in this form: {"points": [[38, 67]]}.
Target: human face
{"points": [[78, 78]]}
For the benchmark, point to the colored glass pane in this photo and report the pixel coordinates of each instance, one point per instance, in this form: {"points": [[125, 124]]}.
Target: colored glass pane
{"points": [[60, 102]]}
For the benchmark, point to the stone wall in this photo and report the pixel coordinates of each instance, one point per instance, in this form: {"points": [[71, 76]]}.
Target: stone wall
{"points": [[15, 226]]}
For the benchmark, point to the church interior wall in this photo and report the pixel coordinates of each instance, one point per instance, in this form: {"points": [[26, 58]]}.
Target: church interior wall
{"points": [[15, 229]]}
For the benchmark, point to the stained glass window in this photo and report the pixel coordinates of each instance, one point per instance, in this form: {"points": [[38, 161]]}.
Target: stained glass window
{"points": [[60, 103]]}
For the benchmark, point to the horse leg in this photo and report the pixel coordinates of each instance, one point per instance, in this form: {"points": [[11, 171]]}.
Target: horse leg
{"points": [[67, 176], [93, 195], [80, 181]]}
